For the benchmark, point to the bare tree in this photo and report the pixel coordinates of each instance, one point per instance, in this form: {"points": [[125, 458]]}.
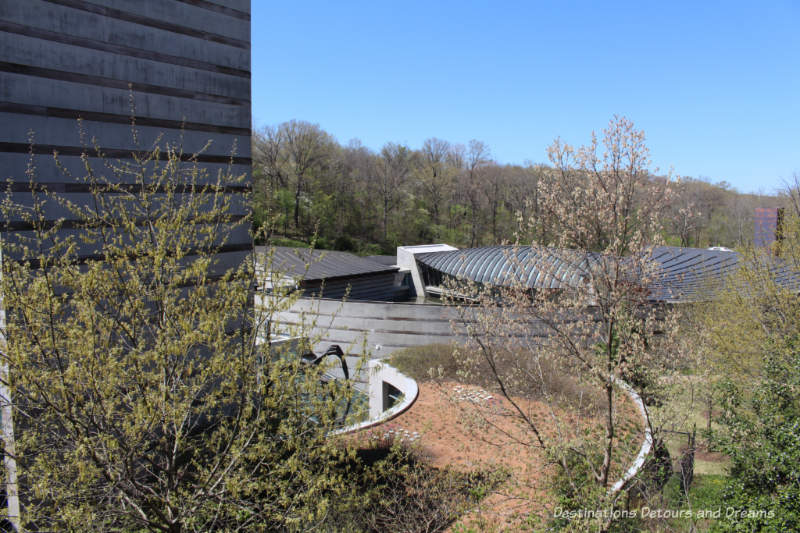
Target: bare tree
{"points": [[494, 188], [269, 156], [307, 147], [394, 168], [477, 158], [684, 216], [435, 176]]}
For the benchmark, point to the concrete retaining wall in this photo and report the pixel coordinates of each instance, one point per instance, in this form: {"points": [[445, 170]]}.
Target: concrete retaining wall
{"points": [[375, 328]]}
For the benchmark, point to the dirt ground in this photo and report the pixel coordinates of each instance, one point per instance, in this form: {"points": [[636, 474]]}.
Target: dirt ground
{"points": [[465, 427]]}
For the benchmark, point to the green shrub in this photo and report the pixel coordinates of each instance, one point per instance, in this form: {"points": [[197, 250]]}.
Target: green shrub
{"points": [[421, 362], [401, 491]]}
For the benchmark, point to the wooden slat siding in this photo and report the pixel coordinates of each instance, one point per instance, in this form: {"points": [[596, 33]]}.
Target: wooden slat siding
{"points": [[109, 153], [191, 14], [110, 12], [115, 188], [11, 27], [58, 94], [226, 258], [49, 131], [37, 55], [241, 11], [54, 210], [188, 63]]}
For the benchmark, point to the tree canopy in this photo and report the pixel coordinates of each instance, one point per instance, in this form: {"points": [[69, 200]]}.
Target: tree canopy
{"points": [[350, 197]]}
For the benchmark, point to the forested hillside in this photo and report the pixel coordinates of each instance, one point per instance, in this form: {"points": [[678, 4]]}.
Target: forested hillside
{"points": [[353, 198]]}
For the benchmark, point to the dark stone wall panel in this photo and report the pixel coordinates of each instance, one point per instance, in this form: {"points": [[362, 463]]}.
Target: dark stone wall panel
{"points": [[29, 90], [14, 167], [189, 65], [74, 63], [67, 132], [42, 15]]}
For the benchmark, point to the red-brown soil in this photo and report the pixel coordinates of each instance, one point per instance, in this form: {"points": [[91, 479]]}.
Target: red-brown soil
{"points": [[464, 427]]}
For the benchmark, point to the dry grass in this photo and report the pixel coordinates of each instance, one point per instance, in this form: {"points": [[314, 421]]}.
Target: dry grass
{"points": [[440, 362]]}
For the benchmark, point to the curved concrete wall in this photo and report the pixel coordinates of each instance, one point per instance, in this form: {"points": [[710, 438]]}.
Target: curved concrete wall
{"points": [[383, 327], [374, 328], [378, 373], [647, 441]]}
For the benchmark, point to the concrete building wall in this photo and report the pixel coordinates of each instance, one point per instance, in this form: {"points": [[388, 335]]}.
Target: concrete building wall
{"points": [[375, 328], [182, 67]]}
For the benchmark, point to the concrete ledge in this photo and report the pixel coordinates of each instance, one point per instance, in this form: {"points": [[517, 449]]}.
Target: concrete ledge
{"points": [[647, 443], [379, 373]]}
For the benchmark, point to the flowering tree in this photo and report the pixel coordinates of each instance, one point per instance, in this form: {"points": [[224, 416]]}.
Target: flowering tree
{"points": [[586, 313]]}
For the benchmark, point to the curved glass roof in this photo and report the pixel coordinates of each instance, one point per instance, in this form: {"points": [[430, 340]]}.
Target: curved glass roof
{"points": [[684, 274], [539, 268]]}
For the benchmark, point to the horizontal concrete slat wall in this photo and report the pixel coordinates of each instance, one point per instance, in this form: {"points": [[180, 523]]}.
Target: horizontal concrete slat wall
{"points": [[186, 61], [375, 328]]}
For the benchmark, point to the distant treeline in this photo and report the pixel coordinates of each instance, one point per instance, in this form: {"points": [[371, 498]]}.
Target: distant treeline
{"points": [[307, 185]]}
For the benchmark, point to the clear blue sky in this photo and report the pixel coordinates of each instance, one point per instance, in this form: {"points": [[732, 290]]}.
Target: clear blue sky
{"points": [[715, 85]]}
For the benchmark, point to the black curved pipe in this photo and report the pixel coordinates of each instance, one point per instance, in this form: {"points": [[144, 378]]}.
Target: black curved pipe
{"points": [[334, 349]]}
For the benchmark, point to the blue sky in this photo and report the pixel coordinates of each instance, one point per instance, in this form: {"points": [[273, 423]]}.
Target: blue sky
{"points": [[714, 85]]}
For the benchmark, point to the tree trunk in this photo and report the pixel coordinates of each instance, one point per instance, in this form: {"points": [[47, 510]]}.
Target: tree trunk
{"points": [[609, 434], [297, 192], [385, 218]]}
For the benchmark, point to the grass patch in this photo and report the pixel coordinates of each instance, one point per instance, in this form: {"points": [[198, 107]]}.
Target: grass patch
{"points": [[705, 495], [437, 361], [423, 362], [711, 468], [688, 407], [706, 491]]}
